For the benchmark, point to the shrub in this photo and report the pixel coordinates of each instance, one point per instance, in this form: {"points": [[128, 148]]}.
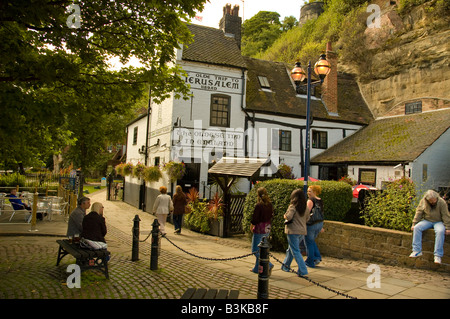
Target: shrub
{"points": [[394, 208], [336, 196], [12, 180]]}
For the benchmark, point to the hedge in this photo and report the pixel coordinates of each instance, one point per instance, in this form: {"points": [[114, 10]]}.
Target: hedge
{"points": [[337, 197]]}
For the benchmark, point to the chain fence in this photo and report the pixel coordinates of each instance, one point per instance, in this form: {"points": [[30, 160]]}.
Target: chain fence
{"points": [[251, 254]]}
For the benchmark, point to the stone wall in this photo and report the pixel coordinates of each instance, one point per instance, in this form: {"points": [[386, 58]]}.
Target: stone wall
{"points": [[378, 245]]}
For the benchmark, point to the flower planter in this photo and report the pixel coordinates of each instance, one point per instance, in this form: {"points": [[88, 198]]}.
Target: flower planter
{"points": [[216, 227]]}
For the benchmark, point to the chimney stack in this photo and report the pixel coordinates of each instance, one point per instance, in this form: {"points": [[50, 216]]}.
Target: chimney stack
{"points": [[231, 22], [329, 86]]}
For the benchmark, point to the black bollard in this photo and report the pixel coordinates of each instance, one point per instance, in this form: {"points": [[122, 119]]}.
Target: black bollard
{"points": [[263, 273], [135, 247], [154, 252]]}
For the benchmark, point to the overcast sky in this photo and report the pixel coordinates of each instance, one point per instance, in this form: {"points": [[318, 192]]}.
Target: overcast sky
{"points": [[213, 11]]}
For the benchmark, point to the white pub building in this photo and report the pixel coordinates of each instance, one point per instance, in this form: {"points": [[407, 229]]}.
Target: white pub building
{"points": [[240, 107]]}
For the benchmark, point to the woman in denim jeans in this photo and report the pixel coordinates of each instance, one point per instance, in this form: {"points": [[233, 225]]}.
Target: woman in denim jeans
{"points": [[261, 223], [296, 217], [313, 227]]}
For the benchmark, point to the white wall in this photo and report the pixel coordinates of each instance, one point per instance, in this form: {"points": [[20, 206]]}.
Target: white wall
{"points": [[437, 161]]}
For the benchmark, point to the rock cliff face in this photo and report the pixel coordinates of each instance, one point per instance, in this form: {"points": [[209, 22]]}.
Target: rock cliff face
{"points": [[410, 61]]}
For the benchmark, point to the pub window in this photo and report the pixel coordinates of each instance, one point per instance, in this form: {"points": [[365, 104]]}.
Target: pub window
{"points": [[367, 176], [285, 140], [414, 107], [320, 139], [220, 110], [264, 82], [135, 133], [281, 140]]}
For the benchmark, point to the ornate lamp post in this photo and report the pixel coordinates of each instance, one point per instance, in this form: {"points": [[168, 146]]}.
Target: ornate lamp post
{"points": [[321, 68]]}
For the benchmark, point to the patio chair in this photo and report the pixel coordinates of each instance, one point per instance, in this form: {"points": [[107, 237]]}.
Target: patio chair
{"points": [[19, 208]]}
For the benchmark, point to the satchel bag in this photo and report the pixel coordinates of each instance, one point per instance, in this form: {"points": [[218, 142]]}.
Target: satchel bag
{"points": [[316, 215]]}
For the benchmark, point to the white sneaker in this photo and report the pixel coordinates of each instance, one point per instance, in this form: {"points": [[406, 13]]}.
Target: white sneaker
{"points": [[415, 254], [437, 260]]}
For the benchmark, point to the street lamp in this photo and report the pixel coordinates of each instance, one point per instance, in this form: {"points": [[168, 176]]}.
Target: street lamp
{"points": [[321, 68]]}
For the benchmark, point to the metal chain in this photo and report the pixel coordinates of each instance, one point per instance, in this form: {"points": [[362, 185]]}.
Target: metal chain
{"points": [[312, 281], [206, 258], [251, 254]]}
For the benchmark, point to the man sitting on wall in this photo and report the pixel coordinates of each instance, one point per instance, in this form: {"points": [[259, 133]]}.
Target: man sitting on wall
{"points": [[432, 212]]}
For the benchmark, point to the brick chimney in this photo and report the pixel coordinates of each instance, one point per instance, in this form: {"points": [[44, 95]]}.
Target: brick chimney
{"points": [[231, 22], [329, 86]]}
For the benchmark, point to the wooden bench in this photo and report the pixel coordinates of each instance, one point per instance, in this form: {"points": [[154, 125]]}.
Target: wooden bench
{"points": [[203, 293], [86, 258]]}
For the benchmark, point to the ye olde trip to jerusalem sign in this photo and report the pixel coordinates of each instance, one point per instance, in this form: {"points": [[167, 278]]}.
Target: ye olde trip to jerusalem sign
{"points": [[213, 82]]}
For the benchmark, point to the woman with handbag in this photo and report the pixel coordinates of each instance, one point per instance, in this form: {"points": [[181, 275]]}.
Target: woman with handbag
{"points": [[314, 225], [179, 208], [261, 223], [296, 217]]}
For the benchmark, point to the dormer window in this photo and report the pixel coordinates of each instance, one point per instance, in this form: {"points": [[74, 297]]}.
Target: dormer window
{"points": [[264, 82]]}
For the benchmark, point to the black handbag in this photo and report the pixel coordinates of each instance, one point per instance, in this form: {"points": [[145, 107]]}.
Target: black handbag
{"points": [[316, 215]]}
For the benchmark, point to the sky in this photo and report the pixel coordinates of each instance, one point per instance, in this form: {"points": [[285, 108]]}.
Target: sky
{"points": [[213, 11]]}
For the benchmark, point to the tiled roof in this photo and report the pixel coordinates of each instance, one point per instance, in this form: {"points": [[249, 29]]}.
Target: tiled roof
{"points": [[212, 46], [283, 99], [395, 139]]}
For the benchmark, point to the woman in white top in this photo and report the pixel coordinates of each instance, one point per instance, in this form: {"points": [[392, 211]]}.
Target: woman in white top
{"points": [[162, 207]]}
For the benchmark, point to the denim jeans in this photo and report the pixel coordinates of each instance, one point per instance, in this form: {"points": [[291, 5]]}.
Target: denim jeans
{"points": [[292, 252], [439, 230], [256, 240], [311, 246], [177, 221]]}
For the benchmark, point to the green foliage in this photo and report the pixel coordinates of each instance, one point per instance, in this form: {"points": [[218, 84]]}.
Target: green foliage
{"points": [[394, 208], [307, 42], [285, 171], [260, 31], [336, 196], [151, 173], [198, 219], [175, 170], [202, 212], [56, 85], [12, 180]]}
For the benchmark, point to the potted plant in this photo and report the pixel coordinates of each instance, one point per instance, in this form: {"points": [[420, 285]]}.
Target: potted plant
{"points": [[152, 174], [119, 169], [138, 170], [215, 214], [175, 170], [128, 169]]}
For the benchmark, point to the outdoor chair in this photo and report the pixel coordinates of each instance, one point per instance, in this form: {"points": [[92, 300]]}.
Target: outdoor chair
{"points": [[18, 208]]}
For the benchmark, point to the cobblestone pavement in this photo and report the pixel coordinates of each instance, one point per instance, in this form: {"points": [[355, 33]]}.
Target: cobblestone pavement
{"points": [[28, 271]]}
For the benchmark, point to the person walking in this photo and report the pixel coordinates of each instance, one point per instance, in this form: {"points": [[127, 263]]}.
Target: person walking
{"points": [[179, 208], [162, 207], [432, 212], [314, 225], [296, 217], [261, 224]]}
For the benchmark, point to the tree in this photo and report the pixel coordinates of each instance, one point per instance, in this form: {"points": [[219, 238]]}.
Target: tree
{"points": [[259, 32], [48, 69]]}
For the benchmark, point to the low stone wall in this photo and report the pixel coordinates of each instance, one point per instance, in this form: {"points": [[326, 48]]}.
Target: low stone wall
{"points": [[378, 245]]}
